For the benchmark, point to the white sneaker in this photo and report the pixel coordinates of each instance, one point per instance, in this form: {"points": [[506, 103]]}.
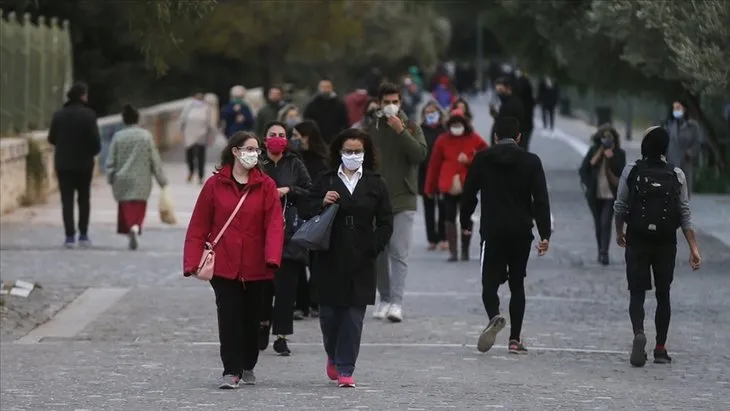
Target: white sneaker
{"points": [[381, 310], [395, 314], [134, 237]]}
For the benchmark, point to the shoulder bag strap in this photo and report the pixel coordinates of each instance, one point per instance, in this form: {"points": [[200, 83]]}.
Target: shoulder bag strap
{"points": [[230, 219]]}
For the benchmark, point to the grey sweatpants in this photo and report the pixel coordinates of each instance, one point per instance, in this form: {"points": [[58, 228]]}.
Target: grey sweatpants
{"points": [[392, 264]]}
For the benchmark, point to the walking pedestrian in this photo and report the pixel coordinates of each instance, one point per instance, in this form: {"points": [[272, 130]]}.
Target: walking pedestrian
{"points": [[197, 129], [328, 111], [242, 275], [444, 92], [510, 105], [452, 154], [599, 173], [356, 102], [237, 115], [462, 105], [402, 148], [289, 115], [270, 111], [685, 136], [345, 275], [132, 162], [548, 94], [653, 202], [308, 142], [74, 133], [527, 97], [514, 193], [293, 184], [433, 120], [412, 97], [371, 109]]}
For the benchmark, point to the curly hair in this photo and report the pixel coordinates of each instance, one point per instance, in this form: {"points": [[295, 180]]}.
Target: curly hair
{"points": [[369, 163]]}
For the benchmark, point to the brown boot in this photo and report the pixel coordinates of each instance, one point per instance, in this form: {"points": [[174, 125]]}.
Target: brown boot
{"points": [[450, 229], [465, 243]]}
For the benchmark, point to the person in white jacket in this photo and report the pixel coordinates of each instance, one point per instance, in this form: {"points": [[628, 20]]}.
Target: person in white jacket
{"points": [[196, 126]]}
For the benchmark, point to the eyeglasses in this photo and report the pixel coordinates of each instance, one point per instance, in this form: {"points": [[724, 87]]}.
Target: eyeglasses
{"points": [[277, 135], [250, 150], [351, 152]]}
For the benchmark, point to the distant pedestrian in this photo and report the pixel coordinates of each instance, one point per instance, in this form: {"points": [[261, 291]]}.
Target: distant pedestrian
{"points": [[527, 97], [599, 174], [548, 95], [328, 111], [237, 115], [290, 116], [344, 276], [369, 114], [132, 162], [510, 105], [197, 128], [685, 137], [653, 202], [74, 133], [433, 124], [412, 97], [270, 111], [513, 195], [444, 92], [242, 275], [356, 103], [460, 104]]}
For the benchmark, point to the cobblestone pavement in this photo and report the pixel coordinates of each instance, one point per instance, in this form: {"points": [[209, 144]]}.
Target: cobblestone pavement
{"points": [[155, 349]]}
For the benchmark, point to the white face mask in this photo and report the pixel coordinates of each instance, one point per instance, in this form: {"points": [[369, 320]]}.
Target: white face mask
{"points": [[352, 162], [457, 130], [391, 110], [248, 159]]}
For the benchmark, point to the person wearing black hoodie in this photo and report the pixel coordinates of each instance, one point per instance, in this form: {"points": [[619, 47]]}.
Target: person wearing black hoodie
{"points": [[74, 134], [513, 195], [328, 111], [510, 106]]}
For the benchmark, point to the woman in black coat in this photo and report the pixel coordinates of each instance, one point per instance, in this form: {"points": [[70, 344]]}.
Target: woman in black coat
{"points": [[307, 141], [599, 174], [293, 183], [343, 281]]}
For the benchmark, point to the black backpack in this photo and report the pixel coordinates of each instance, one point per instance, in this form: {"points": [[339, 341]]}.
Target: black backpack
{"points": [[653, 200]]}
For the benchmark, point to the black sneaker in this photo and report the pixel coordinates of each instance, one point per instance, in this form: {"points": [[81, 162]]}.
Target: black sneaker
{"points": [[638, 350], [264, 336], [281, 347], [661, 356]]}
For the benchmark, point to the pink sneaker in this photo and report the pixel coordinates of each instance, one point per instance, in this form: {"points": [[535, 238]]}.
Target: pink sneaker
{"points": [[331, 370], [345, 381]]}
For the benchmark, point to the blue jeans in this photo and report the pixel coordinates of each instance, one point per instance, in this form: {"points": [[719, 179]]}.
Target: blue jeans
{"points": [[341, 333]]}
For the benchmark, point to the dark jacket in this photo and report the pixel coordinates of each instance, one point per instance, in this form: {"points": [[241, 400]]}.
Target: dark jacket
{"points": [[547, 96], [314, 163], [229, 115], [511, 107], [289, 172], [345, 274], [513, 193], [589, 173], [75, 135], [527, 98], [431, 134], [330, 114], [267, 114]]}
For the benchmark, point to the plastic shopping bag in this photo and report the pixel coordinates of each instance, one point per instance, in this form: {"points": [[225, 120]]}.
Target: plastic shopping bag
{"points": [[166, 207]]}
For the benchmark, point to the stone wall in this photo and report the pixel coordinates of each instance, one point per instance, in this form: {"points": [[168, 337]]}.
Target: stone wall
{"points": [[15, 190]]}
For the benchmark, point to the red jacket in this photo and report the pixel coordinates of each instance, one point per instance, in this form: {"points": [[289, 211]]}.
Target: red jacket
{"points": [[355, 103], [444, 163], [251, 247]]}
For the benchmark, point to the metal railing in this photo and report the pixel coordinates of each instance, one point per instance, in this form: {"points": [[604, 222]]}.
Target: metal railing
{"points": [[36, 71]]}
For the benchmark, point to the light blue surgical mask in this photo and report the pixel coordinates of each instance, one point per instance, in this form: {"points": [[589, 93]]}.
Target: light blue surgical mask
{"points": [[291, 122], [678, 114], [432, 118]]}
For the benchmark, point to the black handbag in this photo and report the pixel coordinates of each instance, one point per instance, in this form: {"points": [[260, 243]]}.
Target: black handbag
{"points": [[314, 234], [292, 222]]}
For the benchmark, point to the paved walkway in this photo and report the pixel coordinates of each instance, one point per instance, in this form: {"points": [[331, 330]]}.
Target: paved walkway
{"points": [[140, 337]]}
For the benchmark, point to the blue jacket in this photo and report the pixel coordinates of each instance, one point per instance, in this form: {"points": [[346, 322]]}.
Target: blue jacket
{"points": [[228, 114]]}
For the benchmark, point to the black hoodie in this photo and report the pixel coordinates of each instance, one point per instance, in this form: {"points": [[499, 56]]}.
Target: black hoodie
{"points": [[513, 193]]}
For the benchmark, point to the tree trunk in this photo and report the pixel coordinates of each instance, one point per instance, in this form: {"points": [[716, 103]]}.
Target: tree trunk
{"points": [[712, 137]]}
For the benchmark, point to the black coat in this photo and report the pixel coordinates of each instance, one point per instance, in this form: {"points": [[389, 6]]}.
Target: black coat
{"points": [[345, 274], [527, 97], [314, 163], [289, 172], [548, 96], [330, 114], [589, 173], [75, 135], [431, 134], [511, 107]]}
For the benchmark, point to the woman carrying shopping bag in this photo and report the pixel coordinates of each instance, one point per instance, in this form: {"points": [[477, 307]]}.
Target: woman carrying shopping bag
{"points": [[132, 162]]}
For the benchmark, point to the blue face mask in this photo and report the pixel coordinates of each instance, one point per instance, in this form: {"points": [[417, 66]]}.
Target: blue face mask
{"points": [[432, 118], [295, 143], [678, 114]]}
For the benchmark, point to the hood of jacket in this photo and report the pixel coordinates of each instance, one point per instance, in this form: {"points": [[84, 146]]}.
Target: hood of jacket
{"points": [[504, 154]]}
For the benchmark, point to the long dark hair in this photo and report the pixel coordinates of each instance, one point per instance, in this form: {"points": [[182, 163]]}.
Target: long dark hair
{"points": [[371, 160], [670, 115], [272, 124], [309, 129], [604, 131], [238, 139], [467, 112]]}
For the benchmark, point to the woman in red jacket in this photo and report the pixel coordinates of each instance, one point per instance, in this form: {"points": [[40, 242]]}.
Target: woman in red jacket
{"points": [[247, 255], [452, 154]]}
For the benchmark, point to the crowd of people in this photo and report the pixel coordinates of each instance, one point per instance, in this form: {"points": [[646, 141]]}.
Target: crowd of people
{"points": [[372, 154]]}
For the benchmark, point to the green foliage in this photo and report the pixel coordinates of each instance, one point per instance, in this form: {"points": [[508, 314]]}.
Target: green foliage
{"points": [[36, 174], [711, 180]]}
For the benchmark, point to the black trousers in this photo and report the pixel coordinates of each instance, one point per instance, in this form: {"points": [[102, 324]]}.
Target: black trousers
{"points": [[451, 207], [548, 116], [73, 183], [281, 313], [644, 258], [434, 222], [602, 211], [239, 313], [341, 334], [304, 302], [505, 260], [195, 155]]}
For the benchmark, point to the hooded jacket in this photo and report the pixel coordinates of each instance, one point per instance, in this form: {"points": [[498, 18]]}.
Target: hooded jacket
{"points": [[513, 193], [75, 135]]}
